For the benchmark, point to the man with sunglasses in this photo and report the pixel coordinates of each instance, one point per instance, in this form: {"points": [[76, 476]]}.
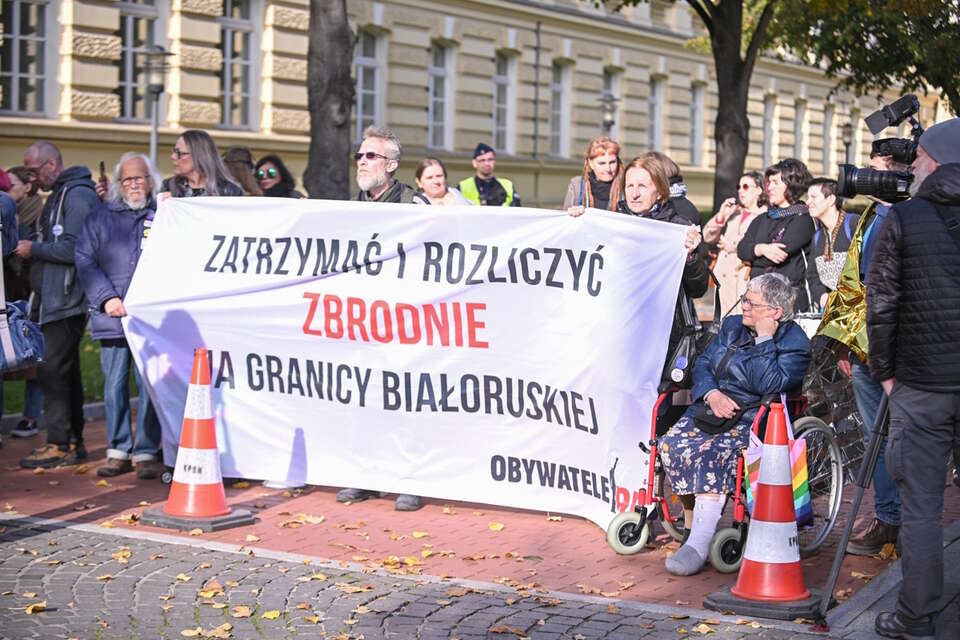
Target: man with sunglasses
{"points": [[377, 161], [62, 308]]}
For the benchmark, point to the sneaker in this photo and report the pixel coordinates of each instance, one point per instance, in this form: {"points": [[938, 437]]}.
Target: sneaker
{"points": [[25, 429], [896, 625], [872, 540], [115, 467], [149, 469], [407, 502], [47, 456], [356, 495]]}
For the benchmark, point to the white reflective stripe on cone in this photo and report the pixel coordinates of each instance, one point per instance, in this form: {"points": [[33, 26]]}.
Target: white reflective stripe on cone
{"points": [[774, 542], [197, 466], [775, 465], [199, 405]]}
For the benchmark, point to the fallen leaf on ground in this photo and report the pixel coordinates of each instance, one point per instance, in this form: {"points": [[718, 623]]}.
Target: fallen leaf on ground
{"points": [[273, 614], [211, 589], [252, 538], [121, 555], [223, 631], [220, 605], [204, 565], [702, 629], [312, 619], [192, 633], [888, 552], [104, 578], [502, 628], [449, 510], [143, 503], [420, 534], [30, 594], [313, 576], [496, 526], [241, 611], [303, 605], [36, 607], [863, 576], [54, 562], [82, 469], [612, 608], [182, 577], [351, 588], [196, 532], [54, 483], [103, 483], [844, 594], [456, 592], [157, 556], [678, 616], [554, 518], [241, 484]]}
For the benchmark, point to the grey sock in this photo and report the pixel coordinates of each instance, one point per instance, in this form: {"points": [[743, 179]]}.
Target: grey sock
{"points": [[685, 562]]}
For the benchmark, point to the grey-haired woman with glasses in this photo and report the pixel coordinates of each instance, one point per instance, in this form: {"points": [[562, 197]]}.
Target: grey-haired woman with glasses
{"points": [[275, 179], [198, 169]]}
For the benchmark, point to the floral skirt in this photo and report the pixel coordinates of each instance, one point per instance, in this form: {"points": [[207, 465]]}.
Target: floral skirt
{"points": [[698, 462]]}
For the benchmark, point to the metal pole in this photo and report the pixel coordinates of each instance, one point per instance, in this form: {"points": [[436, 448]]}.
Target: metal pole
{"points": [[154, 119], [536, 116]]}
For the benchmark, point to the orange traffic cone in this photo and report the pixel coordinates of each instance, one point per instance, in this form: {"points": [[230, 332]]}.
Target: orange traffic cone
{"points": [[770, 582], [771, 568], [197, 499]]}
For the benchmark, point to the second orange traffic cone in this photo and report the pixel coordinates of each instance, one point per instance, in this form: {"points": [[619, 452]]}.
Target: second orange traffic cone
{"points": [[197, 499]]}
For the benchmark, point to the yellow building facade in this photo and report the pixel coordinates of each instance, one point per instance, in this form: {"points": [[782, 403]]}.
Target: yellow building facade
{"points": [[525, 76]]}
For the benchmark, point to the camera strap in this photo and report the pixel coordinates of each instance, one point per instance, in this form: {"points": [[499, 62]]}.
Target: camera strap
{"points": [[952, 223]]}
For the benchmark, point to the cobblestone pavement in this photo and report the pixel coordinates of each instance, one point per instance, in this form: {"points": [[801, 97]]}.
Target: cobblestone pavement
{"points": [[101, 585]]}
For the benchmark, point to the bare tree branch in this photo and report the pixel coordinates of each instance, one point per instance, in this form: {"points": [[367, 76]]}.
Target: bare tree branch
{"points": [[759, 35], [705, 12]]}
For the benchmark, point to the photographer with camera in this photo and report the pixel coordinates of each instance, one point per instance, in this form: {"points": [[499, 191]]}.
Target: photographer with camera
{"points": [[913, 328]]}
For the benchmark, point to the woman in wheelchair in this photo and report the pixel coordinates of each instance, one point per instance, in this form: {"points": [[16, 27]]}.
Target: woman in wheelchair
{"points": [[758, 353]]}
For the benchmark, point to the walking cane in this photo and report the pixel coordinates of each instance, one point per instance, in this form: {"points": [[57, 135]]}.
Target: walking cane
{"points": [[864, 479]]}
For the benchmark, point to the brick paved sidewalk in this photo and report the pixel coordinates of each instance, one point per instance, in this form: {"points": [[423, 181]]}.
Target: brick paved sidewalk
{"points": [[443, 539]]}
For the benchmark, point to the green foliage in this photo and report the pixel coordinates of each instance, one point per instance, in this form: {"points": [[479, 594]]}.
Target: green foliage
{"points": [[871, 45]]}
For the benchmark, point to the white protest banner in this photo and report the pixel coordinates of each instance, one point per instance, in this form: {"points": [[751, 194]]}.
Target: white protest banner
{"points": [[497, 355]]}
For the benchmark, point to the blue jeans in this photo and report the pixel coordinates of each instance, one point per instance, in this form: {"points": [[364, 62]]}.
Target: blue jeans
{"points": [[32, 399], [867, 391], [142, 446]]}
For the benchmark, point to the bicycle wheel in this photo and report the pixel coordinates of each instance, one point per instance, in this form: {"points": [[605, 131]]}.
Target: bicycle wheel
{"points": [[677, 529], [825, 477]]}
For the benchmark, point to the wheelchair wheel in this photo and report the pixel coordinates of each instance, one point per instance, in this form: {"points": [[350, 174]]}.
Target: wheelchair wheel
{"points": [[167, 476], [825, 477], [677, 529], [625, 534], [726, 552]]}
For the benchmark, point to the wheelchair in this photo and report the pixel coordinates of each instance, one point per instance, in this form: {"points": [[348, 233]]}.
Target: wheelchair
{"points": [[629, 531]]}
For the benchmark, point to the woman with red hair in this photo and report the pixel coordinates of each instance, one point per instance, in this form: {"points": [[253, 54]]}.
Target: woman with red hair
{"points": [[601, 184]]}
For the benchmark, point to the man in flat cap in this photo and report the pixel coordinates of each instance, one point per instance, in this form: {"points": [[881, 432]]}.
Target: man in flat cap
{"points": [[485, 188], [913, 329]]}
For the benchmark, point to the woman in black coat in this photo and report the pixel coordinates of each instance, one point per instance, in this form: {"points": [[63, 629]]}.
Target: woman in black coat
{"points": [[776, 241], [275, 179]]}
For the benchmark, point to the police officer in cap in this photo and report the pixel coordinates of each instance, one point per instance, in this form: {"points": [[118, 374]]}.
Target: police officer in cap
{"points": [[485, 188]]}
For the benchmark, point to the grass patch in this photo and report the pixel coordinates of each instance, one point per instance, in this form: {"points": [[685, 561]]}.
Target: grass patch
{"points": [[89, 370]]}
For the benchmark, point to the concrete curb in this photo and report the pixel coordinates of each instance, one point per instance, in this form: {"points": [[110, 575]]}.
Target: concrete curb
{"points": [[846, 613]]}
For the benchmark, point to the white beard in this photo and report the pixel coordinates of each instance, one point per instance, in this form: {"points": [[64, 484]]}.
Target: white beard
{"points": [[367, 183], [918, 177], [136, 205]]}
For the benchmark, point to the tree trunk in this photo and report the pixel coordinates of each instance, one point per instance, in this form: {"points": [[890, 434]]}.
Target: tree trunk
{"points": [[732, 127], [330, 95]]}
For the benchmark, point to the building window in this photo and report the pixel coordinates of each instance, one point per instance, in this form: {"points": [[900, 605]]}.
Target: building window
{"points": [[138, 32], [560, 110], [769, 128], [440, 116], [369, 73], [611, 86], [799, 120], [23, 61], [236, 43], [697, 115], [827, 137], [655, 108], [504, 103]]}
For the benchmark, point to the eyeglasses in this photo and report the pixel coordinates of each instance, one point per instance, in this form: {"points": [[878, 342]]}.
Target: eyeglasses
{"points": [[369, 155], [747, 304], [269, 173], [133, 180], [178, 154], [744, 186], [33, 171]]}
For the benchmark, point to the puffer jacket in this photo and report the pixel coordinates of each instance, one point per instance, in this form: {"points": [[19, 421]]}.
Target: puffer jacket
{"points": [[913, 295], [752, 370], [53, 273], [107, 253]]}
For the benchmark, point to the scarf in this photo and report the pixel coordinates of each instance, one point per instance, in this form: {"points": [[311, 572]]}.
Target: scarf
{"points": [[797, 209], [600, 192]]}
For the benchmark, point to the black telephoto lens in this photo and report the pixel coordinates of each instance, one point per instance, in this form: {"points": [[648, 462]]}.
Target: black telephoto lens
{"points": [[886, 185]]}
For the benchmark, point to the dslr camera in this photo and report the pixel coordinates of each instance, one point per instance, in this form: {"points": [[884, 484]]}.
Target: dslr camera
{"points": [[890, 186]]}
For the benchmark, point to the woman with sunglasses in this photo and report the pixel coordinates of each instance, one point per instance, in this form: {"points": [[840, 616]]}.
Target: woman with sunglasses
{"points": [[275, 179], [726, 229], [198, 169]]}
